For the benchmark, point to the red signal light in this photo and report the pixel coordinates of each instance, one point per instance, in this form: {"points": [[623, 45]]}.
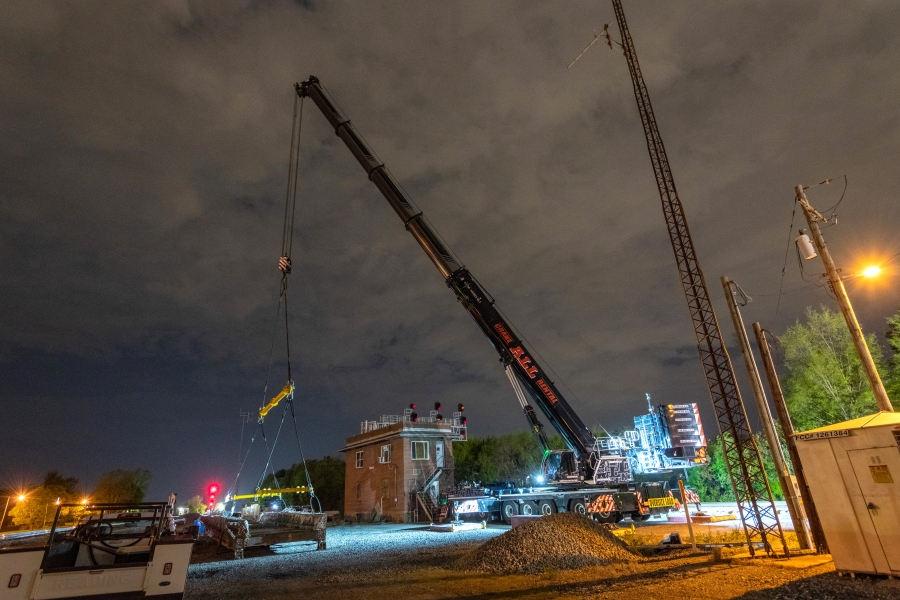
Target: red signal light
{"points": [[463, 420], [437, 406], [414, 417]]}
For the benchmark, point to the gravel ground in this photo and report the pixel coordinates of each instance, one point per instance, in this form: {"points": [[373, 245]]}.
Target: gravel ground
{"points": [[354, 554], [393, 562]]}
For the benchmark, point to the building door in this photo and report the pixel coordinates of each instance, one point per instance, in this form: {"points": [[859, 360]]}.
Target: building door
{"points": [[439, 453], [877, 471]]}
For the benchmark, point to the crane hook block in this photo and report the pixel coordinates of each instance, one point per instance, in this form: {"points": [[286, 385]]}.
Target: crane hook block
{"points": [[284, 264], [285, 391]]}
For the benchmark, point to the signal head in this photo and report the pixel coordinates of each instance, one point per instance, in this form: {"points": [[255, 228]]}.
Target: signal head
{"points": [[413, 406], [414, 417], [461, 407], [437, 406]]}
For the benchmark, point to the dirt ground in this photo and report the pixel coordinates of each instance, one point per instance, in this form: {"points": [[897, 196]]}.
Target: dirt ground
{"points": [[414, 571]]}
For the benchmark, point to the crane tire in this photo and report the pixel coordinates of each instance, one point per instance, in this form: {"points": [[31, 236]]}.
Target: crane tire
{"points": [[508, 510], [577, 506]]}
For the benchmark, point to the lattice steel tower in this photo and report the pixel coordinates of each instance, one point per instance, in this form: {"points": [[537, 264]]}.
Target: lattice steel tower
{"points": [[751, 487]]}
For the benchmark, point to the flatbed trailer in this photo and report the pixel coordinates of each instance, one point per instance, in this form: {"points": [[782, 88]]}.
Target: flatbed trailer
{"points": [[610, 504], [271, 528]]}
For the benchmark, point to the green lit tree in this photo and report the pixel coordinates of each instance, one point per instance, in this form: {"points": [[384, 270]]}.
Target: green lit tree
{"points": [[121, 485], [892, 380], [196, 505], [826, 382]]}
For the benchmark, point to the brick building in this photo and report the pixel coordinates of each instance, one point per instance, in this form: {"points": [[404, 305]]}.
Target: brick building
{"points": [[397, 467]]}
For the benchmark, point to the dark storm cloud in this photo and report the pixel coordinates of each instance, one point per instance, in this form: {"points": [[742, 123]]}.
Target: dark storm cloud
{"points": [[144, 162]]}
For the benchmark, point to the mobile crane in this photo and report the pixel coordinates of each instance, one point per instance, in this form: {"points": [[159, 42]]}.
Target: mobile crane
{"points": [[592, 475]]}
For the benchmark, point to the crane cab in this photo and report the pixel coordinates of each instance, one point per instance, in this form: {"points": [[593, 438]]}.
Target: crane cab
{"points": [[561, 466]]}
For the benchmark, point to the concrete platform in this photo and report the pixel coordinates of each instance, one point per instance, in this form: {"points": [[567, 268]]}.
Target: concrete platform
{"points": [[451, 527], [803, 561]]}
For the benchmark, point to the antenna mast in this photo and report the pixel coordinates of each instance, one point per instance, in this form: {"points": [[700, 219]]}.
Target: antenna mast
{"points": [[745, 468]]}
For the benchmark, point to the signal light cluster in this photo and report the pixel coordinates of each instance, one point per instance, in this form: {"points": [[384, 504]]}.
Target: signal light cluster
{"points": [[414, 416], [212, 491]]}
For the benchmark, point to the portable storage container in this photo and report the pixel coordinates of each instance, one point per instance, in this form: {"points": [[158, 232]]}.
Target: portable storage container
{"points": [[853, 472]]}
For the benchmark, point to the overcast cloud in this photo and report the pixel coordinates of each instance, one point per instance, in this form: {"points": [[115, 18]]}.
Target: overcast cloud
{"points": [[144, 161]]}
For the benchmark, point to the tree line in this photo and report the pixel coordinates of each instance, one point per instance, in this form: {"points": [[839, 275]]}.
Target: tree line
{"points": [[38, 508], [327, 478]]}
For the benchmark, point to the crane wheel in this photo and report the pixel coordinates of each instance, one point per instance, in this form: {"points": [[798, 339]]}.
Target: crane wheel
{"points": [[546, 508], [577, 506], [509, 510]]}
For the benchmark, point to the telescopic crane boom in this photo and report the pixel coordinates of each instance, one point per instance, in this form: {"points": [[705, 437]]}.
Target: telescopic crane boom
{"points": [[514, 354]]}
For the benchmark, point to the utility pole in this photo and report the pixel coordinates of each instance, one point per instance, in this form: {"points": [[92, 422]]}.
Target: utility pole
{"points": [[3, 518], [787, 428], [812, 218], [784, 475]]}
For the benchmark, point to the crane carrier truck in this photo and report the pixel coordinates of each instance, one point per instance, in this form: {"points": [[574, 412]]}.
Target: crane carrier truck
{"points": [[593, 475]]}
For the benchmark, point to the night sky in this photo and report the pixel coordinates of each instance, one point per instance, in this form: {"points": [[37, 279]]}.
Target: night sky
{"points": [[144, 161]]}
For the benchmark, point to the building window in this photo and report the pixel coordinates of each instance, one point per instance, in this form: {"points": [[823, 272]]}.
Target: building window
{"points": [[359, 462], [420, 450], [358, 492], [385, 456]]}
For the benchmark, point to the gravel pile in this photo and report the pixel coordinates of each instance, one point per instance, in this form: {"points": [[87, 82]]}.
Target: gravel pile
{"points": [[561, 541]]}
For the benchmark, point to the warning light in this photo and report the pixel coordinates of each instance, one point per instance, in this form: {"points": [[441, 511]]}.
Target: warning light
{"points": [[462, 420], [461, 407], [414, 417], [212, 490], [413, 406], [437, 406]]}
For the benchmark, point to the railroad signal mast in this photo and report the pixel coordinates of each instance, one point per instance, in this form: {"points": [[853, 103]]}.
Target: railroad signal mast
{"points": [[745, 468]]}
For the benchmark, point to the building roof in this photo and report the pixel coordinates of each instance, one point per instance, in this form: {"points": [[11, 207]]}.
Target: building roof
{"points": [[402, 429], [878, 419]]}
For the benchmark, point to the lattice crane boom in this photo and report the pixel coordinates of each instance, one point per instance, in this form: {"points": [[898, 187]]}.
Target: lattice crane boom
{"points": [[754, 496]]}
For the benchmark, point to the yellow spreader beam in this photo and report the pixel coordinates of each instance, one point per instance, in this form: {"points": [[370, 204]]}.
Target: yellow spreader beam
{"points": [[268, 492], [285, 391]]}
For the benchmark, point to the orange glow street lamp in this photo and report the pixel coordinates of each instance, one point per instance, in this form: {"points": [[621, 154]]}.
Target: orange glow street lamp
{"points": [[810, 249], [20, 498], [872, 271]]}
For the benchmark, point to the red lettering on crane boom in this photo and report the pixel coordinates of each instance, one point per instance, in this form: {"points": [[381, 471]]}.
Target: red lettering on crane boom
{"points": [[519, 354], [547, 391], [503, 333]]}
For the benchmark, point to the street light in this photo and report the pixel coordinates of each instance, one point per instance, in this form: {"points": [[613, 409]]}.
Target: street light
{"points": [[840, 293], [872, 271], [20, 498]]}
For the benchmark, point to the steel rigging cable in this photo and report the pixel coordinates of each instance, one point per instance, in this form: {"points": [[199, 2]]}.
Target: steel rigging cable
{"points": [[284, 265]]}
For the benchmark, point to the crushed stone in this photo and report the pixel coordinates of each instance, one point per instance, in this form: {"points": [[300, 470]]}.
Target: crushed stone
{"points": [[560, 541]]}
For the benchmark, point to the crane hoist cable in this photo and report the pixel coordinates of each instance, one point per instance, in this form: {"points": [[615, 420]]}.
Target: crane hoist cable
{"points": [[287, 392]]}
